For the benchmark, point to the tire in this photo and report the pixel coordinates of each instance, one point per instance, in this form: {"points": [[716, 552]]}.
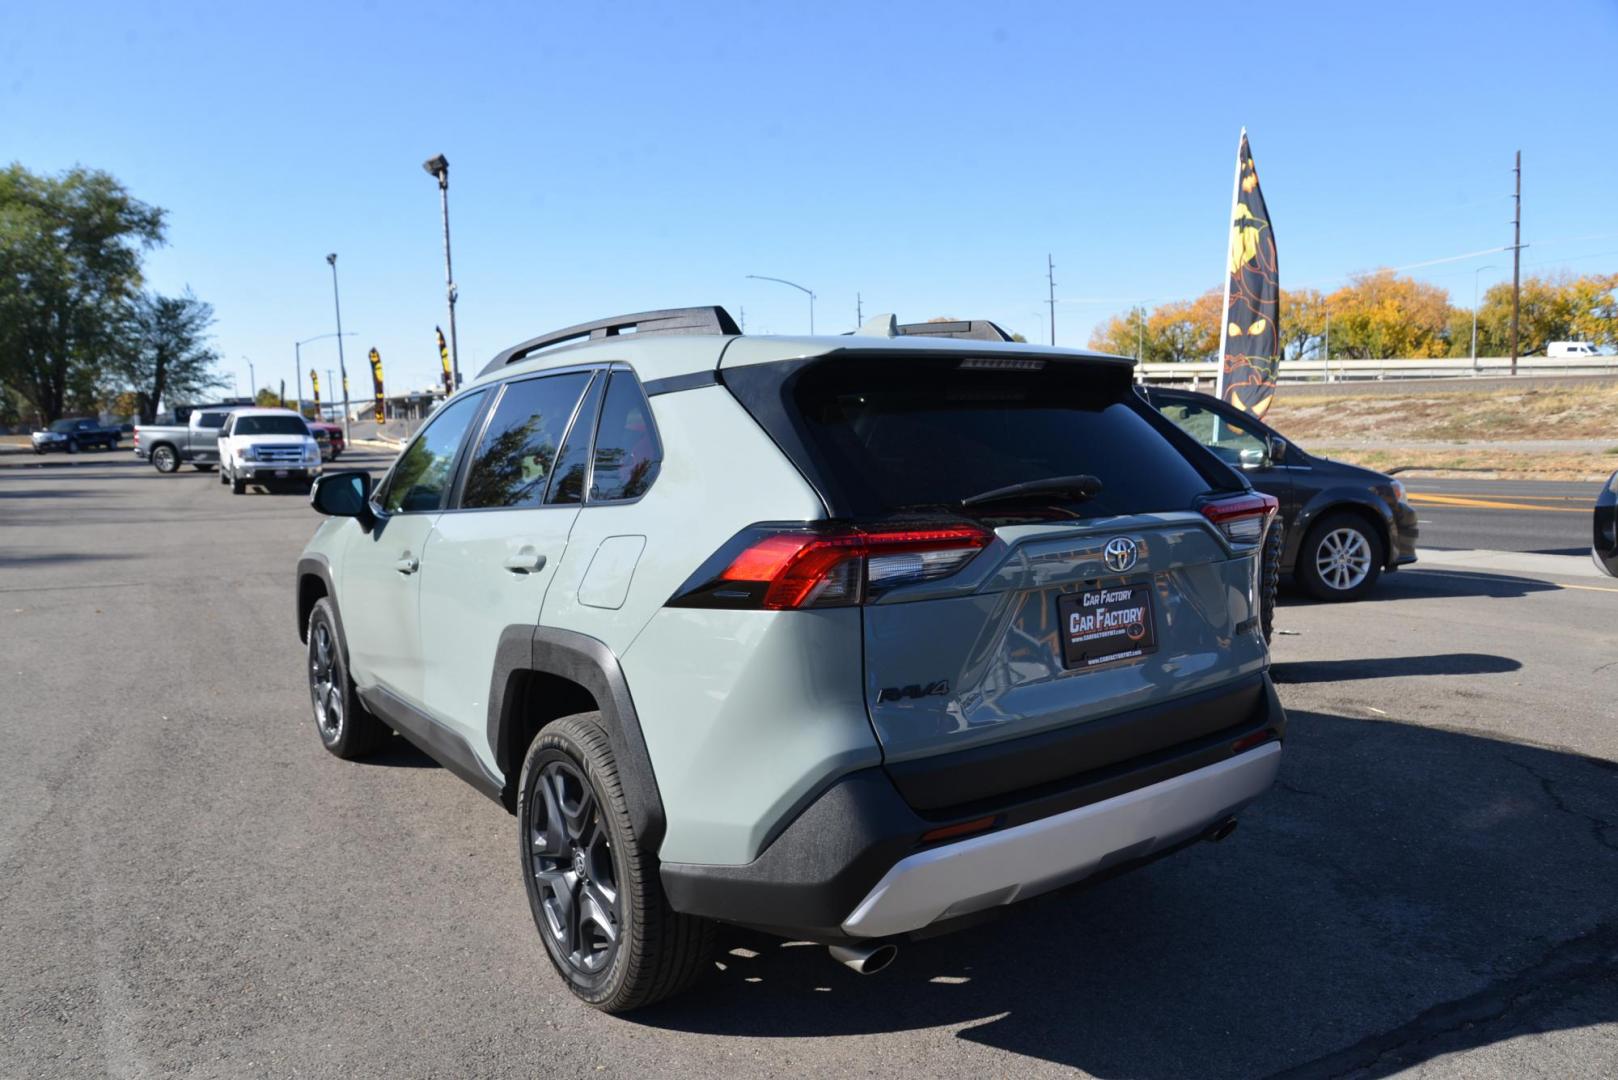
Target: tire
{"points": [[224, 478], [73, 446], [40, 451], [165, 459], [342, 722], [238, 487], [573, 832], [1340, 559], [1270, 576]]}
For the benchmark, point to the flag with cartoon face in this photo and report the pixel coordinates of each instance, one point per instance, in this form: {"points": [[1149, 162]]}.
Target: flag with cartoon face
{"points": [[1250, 340]]}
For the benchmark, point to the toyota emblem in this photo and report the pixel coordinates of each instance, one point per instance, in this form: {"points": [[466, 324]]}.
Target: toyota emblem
{"points": [[1119, 554]]}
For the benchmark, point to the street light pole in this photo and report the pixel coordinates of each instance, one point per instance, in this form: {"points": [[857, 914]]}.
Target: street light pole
{"points": [[1475, 274], [439, 168], [800, 288], [297, 351], [331, 260], [252, 380]]}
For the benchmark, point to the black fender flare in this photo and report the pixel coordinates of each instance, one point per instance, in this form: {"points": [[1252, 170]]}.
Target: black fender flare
{"points": [[589, 663], [1333, 499], [317, 566]]}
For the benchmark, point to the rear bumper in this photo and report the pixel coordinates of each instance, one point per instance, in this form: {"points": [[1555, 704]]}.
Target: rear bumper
{"points": [[854, 864]]}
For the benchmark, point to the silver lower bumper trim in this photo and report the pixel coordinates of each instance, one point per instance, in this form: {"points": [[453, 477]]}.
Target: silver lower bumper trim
{"points": [[1014, 864]]}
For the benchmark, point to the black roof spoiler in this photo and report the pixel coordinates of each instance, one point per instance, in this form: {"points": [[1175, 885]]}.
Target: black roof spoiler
{"points": [[690, 320]]}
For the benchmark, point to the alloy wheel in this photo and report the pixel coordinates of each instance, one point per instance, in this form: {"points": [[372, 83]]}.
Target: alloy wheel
{"points": [[570, 857], [1343, 559], [325, 683]]}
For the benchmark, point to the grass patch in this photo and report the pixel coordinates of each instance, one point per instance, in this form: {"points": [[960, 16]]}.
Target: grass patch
{"points": [[1582, 412]]}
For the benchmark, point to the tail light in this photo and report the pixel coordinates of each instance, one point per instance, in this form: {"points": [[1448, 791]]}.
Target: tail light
{"points": [[1241, 517], [782, 569]]}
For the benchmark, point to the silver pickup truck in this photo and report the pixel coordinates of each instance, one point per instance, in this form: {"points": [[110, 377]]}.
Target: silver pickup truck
{"points": [[194, 443]]}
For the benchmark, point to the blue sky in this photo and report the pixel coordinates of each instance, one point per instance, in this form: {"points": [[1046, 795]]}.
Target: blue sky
{"points": [[610, 158]]}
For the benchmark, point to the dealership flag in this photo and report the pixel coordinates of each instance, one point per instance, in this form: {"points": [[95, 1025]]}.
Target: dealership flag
{"points": [[1250, 334], [376, 381], [443, 358]]}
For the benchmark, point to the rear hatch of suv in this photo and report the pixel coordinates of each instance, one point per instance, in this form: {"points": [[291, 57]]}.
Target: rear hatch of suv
{"points": [[1052, 578]]}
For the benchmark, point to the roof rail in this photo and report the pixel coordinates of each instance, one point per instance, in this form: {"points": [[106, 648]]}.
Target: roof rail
{"points": [[975, 329], [691, 320]]}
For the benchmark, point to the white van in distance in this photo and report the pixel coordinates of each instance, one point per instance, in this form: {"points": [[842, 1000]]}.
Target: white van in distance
{"points": [[1570, 348]]}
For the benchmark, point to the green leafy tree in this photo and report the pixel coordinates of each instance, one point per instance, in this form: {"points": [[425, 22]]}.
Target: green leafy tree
{"points": [[163, 354], [1552, 308], [70, 250]]}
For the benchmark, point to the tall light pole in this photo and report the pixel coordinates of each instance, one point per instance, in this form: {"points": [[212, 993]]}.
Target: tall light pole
{"points": [[297, 355], [252, 381], [1050, 281], [800, 288], [438, 167], [331, 260], [1475, 274]]}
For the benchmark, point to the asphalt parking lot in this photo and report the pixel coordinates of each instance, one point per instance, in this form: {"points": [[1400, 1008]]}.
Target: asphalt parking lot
{"points": [[192, 886]]}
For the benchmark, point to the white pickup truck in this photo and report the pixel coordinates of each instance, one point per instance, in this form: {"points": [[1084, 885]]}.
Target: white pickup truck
{"points": [[268, 447]]}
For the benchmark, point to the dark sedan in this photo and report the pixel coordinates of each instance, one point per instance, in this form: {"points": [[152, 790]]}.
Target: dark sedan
{"points": [[1344, 525], [1604, 541]]}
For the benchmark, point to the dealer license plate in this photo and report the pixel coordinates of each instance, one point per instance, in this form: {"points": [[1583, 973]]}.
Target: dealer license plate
{"points": [[1106, 624], [280, 474]]}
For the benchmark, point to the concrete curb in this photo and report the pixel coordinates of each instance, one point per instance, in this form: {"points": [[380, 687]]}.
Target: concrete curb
{"points": [[376, 444], [1524, 563]]}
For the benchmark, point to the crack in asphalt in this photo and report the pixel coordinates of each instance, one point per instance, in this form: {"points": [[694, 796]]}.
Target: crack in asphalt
{"points": [[1562, 973], [1598, 826]]}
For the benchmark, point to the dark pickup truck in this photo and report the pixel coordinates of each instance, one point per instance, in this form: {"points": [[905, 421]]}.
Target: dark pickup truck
{"points": [[71, 436]]}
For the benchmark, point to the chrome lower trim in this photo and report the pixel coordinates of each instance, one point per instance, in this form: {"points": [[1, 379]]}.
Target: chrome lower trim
{"points": [[1003, 867]]}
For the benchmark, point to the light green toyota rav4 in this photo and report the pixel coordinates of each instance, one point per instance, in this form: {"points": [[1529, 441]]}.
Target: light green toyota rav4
{"points": [[842, 638]]}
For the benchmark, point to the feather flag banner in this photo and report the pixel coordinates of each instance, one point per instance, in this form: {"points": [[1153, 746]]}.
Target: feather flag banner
{"points": [[1250, 335]]}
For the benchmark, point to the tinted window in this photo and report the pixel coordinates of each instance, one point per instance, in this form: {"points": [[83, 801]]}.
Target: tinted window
{"points": [[212, 420], [895, 433], [574, 464], [269, 425], [518, 452], [422, 475], [61, 426], [626, 453], [1226, 436]]}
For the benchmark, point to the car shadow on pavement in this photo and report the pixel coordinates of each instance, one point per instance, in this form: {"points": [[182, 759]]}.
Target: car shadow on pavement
{"points": [[1391, 667], [399, 753], [1420, 583], [1402, 893]]}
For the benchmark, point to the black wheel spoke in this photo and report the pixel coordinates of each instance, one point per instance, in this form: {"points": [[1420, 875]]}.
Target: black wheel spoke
{"points": [[570, 857], [598, 909]]}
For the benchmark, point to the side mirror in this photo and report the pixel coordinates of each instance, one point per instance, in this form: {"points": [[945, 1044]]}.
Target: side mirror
{"points": [[1253, 458], [344, 494], [1278, 449]]}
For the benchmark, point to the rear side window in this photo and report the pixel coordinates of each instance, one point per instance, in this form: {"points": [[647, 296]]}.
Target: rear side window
{"points": [[886, 434], [627, 454], [573, 464], [422, 474], [212, 420], [517, 455]]}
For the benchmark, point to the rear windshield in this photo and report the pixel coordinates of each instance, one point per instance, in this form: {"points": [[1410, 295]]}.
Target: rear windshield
{"points": [[881, 434], [269, 425]]}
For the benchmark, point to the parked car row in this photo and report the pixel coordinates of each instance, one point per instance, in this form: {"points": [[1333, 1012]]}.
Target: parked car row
{"points": [[248, 445]]}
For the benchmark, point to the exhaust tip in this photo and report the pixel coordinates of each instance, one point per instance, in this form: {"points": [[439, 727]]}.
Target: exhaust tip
{"points": [[1219, 830], [865, 959]]}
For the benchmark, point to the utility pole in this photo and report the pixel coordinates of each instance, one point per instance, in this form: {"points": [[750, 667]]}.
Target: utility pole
{"points": [[1050, 279], [1516, 263], [1140, 333], [252, 381], [859, 311]]}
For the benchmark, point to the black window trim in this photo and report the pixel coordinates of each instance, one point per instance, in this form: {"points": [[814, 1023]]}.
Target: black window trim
{"points": [[657, 440], [378, 493], [463, 468]]}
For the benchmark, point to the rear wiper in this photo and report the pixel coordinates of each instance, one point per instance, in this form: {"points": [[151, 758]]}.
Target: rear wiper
{"points": [[1083, 486]]}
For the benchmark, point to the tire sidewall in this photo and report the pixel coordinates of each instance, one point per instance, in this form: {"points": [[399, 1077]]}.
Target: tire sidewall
{"points": [[322, 616], [164, 460], [555, 743], [1313, 582]]}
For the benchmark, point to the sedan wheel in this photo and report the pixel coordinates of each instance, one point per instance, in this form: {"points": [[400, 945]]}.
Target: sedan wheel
{"points": [[1341, 558]]}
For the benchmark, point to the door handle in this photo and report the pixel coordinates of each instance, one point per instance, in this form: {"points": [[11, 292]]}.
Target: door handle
{"points": [[525, 562], [406, 564]]}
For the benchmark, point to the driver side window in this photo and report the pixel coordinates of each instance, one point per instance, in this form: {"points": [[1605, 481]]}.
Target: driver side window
{"points": [[1229, 439], [421, 479]]}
